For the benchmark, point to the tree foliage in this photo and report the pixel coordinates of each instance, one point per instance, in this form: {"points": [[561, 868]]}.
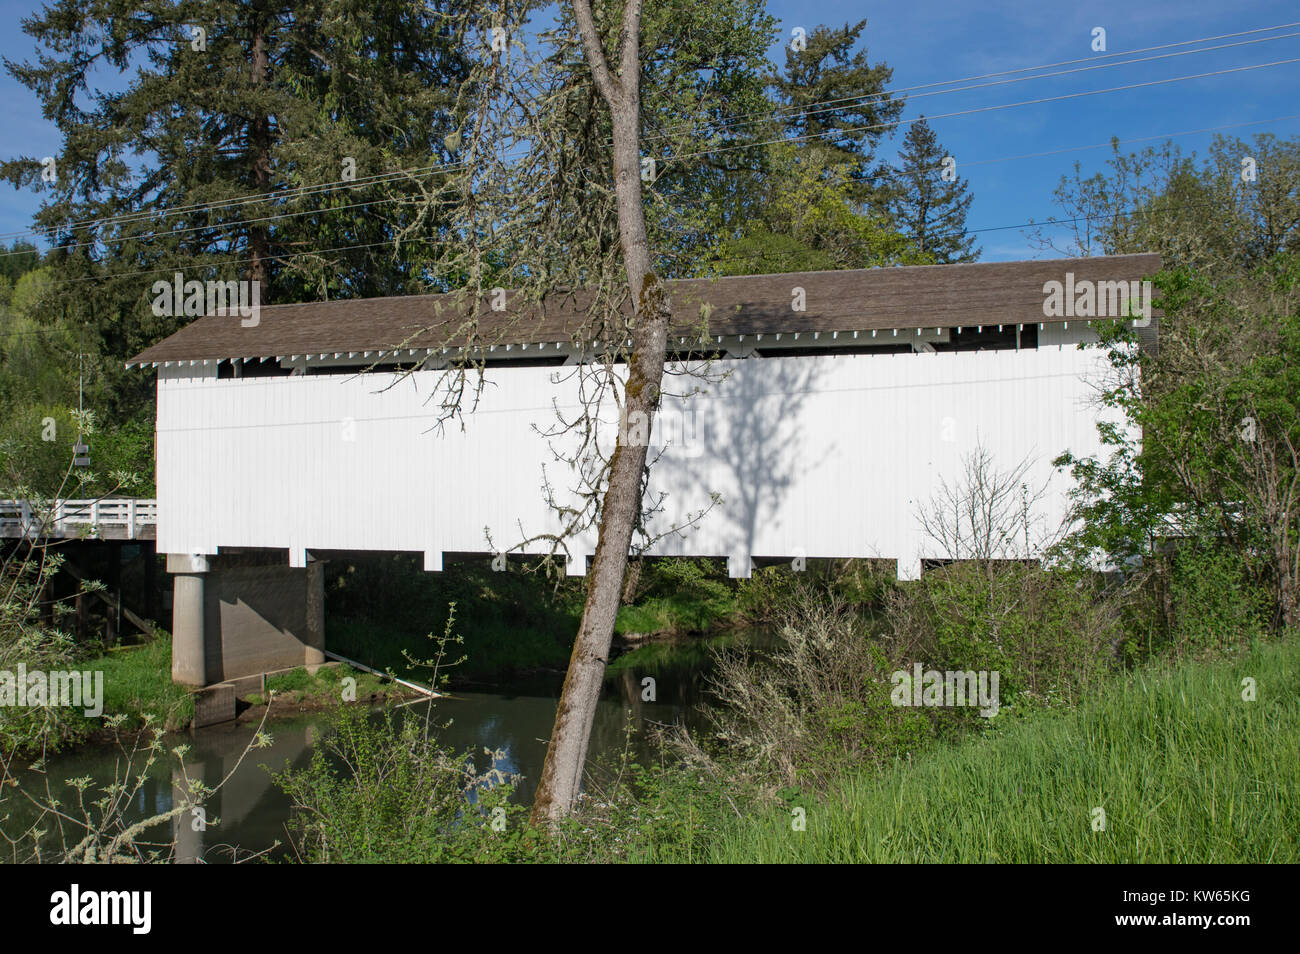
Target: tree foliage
{"points": [[808, 221], [1203, 445], [927, 208], [1209, 215], [1208, 447], [832, 97]]}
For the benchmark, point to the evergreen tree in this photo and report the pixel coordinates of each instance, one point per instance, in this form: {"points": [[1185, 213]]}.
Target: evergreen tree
{"points": [[16, 260], [173, 114], [807, 222], [925, 206], [703, 80], [227, 100], [832, 98]]}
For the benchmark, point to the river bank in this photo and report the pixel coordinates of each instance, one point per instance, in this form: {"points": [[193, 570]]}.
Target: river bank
{"points": [[513, 633], [1179, 762], [138, 692], [811, 759], [513, 723]]}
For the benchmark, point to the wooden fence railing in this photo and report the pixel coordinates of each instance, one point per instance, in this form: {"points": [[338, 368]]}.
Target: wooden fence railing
{"points": [[65, 518]]}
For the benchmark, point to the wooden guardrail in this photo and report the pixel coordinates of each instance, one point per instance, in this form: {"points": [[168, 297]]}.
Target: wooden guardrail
{"points": [[125, 516]]}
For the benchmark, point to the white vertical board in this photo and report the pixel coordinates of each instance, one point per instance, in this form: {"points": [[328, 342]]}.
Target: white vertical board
{"points": [[826, 456]]}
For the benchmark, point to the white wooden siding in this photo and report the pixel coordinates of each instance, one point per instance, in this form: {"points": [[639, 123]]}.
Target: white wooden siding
{"points": [[825, 456]]}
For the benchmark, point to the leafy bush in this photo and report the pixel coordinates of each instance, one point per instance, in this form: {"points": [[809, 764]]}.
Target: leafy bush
{"points": [[823, 701], [680, 595], [1215, 604], [666, 812], [1198, 598], [28, 637], [1048, 633], [380, 789], [797, 715], [865, 584]]}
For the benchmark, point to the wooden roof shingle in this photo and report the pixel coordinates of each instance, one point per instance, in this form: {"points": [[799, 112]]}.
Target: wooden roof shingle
{"points": [[919, 296]]}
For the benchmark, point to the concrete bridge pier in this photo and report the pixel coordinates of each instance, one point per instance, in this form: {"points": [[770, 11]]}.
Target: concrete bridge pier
{"points": [[239, 615], [189, 618]]}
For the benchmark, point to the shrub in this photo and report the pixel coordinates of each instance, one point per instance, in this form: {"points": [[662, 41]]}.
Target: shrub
{"points": [[797, 715], [1198, 598], [822, 702], [380, 789], [1048, 633], [1215, 605], [863, 584], [676, 594]]}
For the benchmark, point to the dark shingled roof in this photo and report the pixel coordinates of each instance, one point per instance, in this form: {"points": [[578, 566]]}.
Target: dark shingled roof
{"points": [[918, 296]]}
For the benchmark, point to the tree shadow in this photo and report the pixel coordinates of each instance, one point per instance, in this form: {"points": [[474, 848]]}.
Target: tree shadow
{"points": [[749, 446]]}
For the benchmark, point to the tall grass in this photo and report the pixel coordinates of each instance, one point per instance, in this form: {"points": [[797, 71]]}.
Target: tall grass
{"points": [[138, 679], [1184, 769]]}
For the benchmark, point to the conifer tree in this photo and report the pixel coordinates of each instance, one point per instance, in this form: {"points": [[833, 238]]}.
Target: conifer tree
{"points": [[927, 200], [173, 114], [830, 97]]}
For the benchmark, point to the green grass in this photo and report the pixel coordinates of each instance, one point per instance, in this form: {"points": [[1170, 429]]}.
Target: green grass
{"points": [[1185, 770], [297, 685], [674, 613], [138, 679]]}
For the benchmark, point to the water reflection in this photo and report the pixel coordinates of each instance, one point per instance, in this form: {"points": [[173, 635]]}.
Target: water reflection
{"points": [[249, 814]]}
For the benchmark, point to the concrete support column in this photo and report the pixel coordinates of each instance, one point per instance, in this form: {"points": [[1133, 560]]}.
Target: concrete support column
{"points": [[189, 642], [314, 638]]}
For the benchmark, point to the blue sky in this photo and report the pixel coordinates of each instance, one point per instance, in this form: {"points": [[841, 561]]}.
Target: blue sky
{"points": [[928, 41]]}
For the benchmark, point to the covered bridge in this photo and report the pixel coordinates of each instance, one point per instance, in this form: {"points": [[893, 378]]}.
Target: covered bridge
{"points": [[848, 397]]}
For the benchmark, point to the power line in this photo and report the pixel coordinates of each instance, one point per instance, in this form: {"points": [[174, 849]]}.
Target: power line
{"points": [[871, 178], [806, 109], [847, 102], [1126, 142], [985, 109], [221, 227], [224, 204], [780, 140], [1048, 66], [239, 261]]}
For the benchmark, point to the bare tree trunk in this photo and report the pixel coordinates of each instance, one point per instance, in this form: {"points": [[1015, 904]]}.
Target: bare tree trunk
{"points": [[1286, 582], [632, 580], [566, 755]]}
